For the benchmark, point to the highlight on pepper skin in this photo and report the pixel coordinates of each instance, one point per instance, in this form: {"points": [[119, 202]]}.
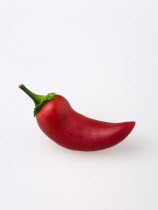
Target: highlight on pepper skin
{"points": [[72, 130]]}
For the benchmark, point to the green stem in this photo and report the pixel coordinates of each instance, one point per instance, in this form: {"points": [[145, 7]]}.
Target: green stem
{"points": [[36, 98], [39, 100]]}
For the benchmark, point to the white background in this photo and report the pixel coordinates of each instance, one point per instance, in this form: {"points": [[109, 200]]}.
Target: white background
{"points": [[102, 56]]}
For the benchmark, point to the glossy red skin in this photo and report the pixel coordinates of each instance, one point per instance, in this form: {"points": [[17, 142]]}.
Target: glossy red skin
{"points": [[74, 131]]}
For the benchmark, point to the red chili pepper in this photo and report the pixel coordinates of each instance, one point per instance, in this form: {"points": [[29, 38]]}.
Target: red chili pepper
{"points": [[61, 123]]}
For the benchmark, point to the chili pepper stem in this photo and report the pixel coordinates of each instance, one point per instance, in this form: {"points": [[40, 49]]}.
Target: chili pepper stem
{"points": [[39, 100], [35, 98]]}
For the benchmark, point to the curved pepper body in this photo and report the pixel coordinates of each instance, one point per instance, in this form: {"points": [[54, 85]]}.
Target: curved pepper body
{"points": [[74, 131]]}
